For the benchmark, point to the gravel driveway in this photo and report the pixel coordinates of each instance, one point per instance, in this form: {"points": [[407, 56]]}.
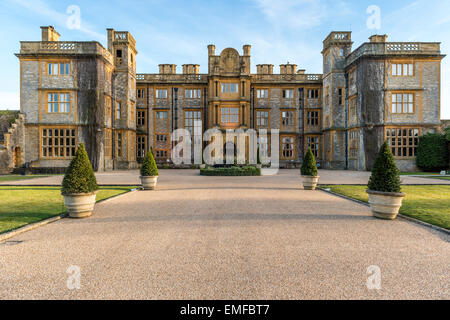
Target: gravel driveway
{"points": [[226, 238]]}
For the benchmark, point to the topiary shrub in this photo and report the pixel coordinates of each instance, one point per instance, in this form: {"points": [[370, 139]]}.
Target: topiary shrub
{"points": [[385, 174], [309, 166], [432, 152], [149, 167], [79, 176]]}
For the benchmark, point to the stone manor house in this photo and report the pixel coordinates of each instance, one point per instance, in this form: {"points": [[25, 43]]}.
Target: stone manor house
{"points": [[73, 92]]}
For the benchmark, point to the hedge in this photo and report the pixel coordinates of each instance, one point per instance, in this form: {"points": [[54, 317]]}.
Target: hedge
{"points": [[432, 152], [232, 171]]}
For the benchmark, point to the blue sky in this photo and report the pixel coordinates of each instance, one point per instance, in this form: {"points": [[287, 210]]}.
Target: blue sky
{"points": [[179, 31]]}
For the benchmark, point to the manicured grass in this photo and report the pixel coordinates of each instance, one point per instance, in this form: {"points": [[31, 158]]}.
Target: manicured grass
{"points": [[23, 205], [427, 203], [15, 177], [439, 178], [419, 173]]}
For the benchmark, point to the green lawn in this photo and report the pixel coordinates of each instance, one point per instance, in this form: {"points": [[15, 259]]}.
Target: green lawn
{"points": [[439, 178], [15, 177], [23, 205], [420, 173], [427, 203]]}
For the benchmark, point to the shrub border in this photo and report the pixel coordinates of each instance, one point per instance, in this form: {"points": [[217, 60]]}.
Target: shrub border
{"points": [[231, 172]]}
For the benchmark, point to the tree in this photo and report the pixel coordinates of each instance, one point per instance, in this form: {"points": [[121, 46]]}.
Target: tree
{"points": [[79, 176], [309, 166], [149, 167], [385, 174]]}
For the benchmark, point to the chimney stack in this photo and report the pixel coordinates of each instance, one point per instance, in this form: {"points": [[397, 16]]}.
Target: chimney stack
{"points": [[376, 38], [246, 49], [49, 34], [211, 50]]}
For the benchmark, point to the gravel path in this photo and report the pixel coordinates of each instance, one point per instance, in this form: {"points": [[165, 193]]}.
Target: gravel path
{"points": [[227, 238], [131, 177]]}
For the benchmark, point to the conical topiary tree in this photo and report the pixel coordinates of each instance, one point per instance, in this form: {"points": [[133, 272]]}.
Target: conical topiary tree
{"points": [[385, 174], [309, 166], [79, 176], [149, 168]]}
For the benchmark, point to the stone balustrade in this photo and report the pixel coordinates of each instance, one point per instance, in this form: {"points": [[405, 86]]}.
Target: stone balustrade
{"points": [[65, 48], [202, 78], [288, 77], [395, 48]]}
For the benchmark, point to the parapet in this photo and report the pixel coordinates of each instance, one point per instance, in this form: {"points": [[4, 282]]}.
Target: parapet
{"points": [[338, 38]]}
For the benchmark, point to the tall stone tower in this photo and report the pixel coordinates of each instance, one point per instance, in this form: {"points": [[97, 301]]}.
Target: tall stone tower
{"points": [[122, 46], [336, 47]]}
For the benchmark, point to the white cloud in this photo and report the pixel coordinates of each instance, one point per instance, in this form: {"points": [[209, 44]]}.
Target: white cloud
{"points": [[9, 100]]}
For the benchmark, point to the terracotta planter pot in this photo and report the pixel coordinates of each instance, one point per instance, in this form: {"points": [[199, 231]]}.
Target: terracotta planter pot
{"points": [[385, 205], [149, 182], [80, 205], [310, 182]]}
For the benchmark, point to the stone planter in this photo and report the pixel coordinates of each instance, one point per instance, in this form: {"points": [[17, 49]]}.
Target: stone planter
{"points": [[310, 182], [385, 205], [149, 182], [202, 166], [80, 205]]}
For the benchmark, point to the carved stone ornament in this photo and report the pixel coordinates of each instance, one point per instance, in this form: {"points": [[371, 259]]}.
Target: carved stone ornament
{"points": [[229, 61]]}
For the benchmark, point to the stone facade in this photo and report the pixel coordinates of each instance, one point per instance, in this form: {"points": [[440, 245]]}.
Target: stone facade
{"points": [[380, 91], [68, 94]]}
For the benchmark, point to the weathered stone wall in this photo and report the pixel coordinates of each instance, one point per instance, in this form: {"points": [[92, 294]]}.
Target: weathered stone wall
{"points": [[12, 151], [91, 108], [431, 92], [370, 107], [334, 115], [29, 95]]}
